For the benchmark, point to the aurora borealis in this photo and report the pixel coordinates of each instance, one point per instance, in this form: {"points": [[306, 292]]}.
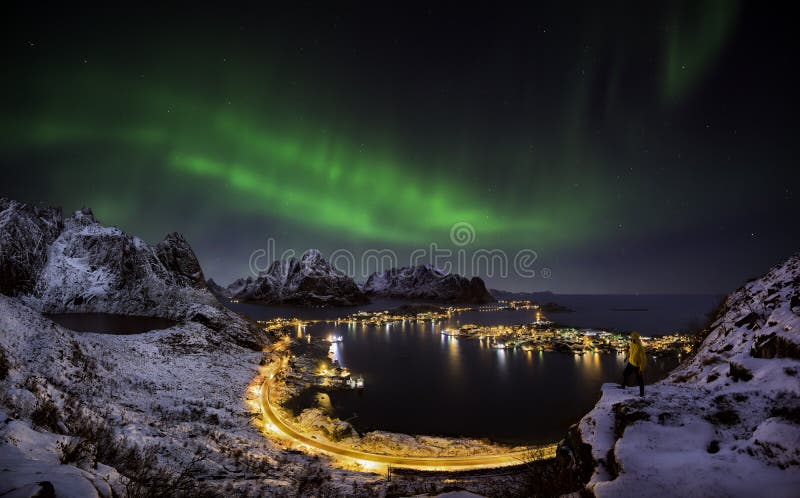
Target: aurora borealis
{"points": [[635, 148]]}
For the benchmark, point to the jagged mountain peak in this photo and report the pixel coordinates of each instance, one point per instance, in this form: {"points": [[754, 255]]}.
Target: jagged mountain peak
{"points": [[308, 280], [426, 282], [177, 256], [312, 256], [84, 216], [77, 264]]}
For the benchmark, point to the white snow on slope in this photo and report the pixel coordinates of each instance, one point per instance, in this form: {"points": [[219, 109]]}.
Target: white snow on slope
{"points": [[181, 390], [711, 429], [28, 457]]}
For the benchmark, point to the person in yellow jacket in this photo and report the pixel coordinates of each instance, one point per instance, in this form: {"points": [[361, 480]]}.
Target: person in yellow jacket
{"points": [[636, 361]]}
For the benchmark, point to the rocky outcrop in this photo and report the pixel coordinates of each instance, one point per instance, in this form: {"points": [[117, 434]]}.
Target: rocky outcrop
{"points": [[310, 280], [92, 268], [26, 232], [218, 290], [428, 283], [58, 265], [726, 420], [175, 253]]}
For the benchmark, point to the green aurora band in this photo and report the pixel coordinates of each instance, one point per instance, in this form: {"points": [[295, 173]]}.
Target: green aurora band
{"points": [[308, 176], [692, 46], [214, 139]]}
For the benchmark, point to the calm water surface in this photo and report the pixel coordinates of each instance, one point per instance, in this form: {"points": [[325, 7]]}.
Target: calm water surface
{"points": [[645, 313], [648, 314], [421, 382]]}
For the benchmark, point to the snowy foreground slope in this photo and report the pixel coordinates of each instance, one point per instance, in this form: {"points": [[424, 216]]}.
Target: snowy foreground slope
{"points": [[726, 423], [168, 407]]}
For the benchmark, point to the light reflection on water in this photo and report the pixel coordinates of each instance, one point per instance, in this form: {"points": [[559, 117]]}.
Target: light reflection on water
{"points": [[335, 353], [456, 386], [501, 359], [529, 357], [453, 356]]}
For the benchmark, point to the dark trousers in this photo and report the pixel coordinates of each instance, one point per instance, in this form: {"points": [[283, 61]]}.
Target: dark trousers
{"points": [[630, 369]]}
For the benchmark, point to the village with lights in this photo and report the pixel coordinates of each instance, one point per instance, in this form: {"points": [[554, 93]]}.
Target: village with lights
{"points": [[539, 335], [310, 362]]}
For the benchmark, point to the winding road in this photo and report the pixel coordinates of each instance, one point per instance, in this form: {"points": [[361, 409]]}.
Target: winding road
{"points": [[375, 461]]}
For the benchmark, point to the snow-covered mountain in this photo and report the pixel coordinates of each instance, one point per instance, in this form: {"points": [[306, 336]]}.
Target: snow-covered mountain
{"points": [[725, 423], [426, 282], [305, 281], [58, 265]]}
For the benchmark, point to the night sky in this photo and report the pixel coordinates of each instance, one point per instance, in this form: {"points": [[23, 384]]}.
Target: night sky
{"points": [[635, 148]]}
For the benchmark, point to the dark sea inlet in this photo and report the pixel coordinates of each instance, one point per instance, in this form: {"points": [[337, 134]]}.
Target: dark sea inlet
{"points": [[419, 381], [648, 314]]}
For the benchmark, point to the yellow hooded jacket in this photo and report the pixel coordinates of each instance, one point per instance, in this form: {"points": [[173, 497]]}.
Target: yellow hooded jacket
{"points": [[636, 355]]}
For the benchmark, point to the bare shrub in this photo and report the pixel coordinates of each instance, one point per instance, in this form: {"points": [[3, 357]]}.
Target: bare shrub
{"points": [[146, 477], [45, 415], [5, 365]]}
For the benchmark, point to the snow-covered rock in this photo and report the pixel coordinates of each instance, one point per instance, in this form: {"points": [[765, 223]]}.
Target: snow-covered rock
{"points": [[426, 282], [305, 281], [217, 290], [76, 264], [30, 465], [26, 233], [92, 268], [725, 423]]}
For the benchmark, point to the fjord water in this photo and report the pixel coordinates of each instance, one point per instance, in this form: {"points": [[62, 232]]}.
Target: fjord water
{"points": [[419, 381], [647, 314]]}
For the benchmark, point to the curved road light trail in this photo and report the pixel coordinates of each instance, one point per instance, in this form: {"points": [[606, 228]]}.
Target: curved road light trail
{"points": [[375, 460]]}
